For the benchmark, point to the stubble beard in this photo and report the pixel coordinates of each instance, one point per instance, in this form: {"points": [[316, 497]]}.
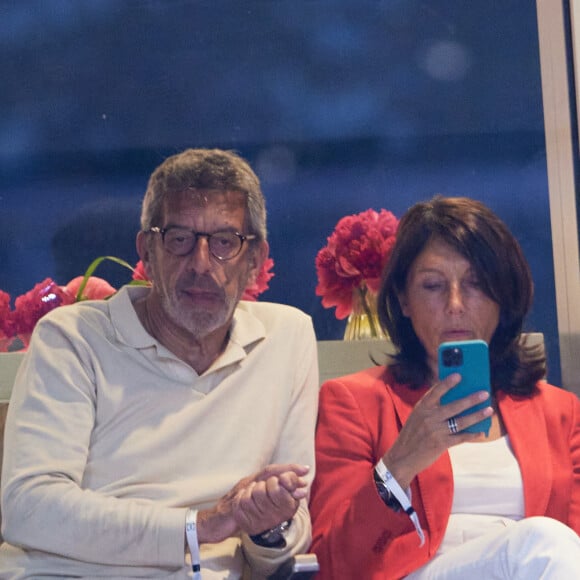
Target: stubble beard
{"points": [[197, 321]]}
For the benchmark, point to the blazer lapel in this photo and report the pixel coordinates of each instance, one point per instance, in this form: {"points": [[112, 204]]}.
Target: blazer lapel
{"points": [[404, 399], [526, 427]]}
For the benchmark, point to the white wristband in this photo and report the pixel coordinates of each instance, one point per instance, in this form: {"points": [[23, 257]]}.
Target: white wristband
{"points": [[192, 543], [393, 486]]}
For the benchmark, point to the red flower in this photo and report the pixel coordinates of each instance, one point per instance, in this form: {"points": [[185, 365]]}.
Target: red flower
{"points": [[95, 289], [32, 306], [7, 326], [260, 284], [355, 255], [139, 272]]}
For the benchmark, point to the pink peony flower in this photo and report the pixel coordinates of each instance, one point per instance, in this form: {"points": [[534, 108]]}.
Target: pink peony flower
{"points": [[355, 256], [29, 308], [260, 284], [7, 323], [96, 288]]}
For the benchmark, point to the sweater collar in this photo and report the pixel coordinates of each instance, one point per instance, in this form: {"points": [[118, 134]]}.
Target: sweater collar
{"points": [[245, 331]]}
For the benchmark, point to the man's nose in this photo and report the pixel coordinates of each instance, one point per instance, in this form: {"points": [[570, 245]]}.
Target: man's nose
{"points": [[200, 257]]}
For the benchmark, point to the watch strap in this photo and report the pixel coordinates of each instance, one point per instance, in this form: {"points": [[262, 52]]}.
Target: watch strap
{"points": [[400, 495], [272, 538]]}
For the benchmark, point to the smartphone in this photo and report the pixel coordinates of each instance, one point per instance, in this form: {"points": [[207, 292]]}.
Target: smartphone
{"points": [[469, 358]]}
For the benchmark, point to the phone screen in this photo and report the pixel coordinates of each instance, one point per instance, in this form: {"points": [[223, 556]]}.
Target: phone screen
{"points": [[469, 358]]}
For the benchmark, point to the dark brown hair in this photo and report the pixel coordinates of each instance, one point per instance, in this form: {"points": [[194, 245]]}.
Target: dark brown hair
{"points": [[475, 232]]}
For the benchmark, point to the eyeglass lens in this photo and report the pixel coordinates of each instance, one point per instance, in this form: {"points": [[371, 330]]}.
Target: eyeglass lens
{"points": [[222, 245]]}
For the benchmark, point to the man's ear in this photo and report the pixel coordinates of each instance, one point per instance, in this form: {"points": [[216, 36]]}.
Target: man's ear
{"points": [[142, 243], [258, 256]]}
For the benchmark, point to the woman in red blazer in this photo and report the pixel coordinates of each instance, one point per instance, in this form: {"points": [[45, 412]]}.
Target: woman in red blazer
{"points": [[402, 490]]}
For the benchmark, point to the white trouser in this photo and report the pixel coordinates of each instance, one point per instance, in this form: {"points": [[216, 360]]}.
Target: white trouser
{"points": [[530, 549]]}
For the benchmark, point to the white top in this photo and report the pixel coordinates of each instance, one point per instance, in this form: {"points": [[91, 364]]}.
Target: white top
{"points": [[488, 490], [110, 437]]}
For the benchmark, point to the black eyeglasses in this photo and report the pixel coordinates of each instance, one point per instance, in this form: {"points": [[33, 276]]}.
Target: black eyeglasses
{"points": [[181, 241]]}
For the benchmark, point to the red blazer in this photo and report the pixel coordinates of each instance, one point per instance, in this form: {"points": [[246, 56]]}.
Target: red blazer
{"points": [[356, 536]]}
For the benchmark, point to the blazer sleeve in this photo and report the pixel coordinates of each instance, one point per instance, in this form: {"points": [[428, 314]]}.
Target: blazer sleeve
{"points": [[575, 454], [352, 527]]}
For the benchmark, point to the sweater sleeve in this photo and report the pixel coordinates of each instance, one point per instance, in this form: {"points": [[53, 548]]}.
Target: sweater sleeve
{"points": [[351, 524], [295, 445], [48, 435]]}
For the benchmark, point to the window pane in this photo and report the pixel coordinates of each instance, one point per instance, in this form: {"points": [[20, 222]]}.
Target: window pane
{"points": [[341, 106]]}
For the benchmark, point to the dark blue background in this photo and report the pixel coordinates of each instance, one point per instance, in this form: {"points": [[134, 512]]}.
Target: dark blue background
{"points": [[340, 106]]}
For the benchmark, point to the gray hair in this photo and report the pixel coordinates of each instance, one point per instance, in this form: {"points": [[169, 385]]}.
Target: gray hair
{"points": [[204, 169]]}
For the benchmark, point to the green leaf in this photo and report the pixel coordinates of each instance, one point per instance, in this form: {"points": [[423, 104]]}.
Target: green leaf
{"points": [[94, 265]]}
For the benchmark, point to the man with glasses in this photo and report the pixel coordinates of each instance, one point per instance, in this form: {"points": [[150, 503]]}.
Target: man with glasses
{"points": [[169, 430]]}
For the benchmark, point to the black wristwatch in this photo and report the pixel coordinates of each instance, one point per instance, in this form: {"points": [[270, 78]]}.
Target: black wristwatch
{"points": [[387, 497], [272, 538]]}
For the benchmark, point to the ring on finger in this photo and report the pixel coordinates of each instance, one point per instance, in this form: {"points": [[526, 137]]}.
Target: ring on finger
{"points": [[452, 425]]}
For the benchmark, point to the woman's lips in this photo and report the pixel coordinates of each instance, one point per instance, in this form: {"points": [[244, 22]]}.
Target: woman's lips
{"points": [[459, 334]]}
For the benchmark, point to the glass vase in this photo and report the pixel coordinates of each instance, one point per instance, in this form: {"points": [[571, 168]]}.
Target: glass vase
{"points": [[363, 321]]}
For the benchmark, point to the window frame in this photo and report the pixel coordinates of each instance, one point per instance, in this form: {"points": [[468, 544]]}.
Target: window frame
{"points": [[560, 127]]}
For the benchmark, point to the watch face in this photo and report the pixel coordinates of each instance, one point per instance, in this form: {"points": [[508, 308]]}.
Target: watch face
{"points": [[273, 538]]}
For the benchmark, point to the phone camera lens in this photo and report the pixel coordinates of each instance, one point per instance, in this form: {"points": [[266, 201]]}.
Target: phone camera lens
{"points": [[452, 357]]}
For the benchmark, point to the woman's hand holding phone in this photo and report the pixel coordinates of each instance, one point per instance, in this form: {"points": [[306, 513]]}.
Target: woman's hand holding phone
{"points": [[425, 434]]}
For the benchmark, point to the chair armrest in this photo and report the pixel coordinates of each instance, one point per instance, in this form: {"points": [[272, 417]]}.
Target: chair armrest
{"points": [[299, 567]]}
